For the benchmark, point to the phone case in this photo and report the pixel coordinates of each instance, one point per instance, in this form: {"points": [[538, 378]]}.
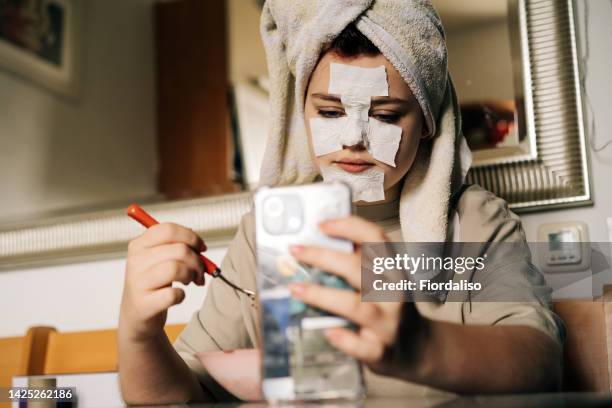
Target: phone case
{"points": [[298, 361]]}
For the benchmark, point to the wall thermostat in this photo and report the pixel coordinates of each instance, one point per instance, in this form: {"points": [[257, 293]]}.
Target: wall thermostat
{"points": [[564, 247]]}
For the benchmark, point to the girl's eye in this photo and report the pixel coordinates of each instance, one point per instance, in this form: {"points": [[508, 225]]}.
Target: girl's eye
{"points": [[328, 113], [388, 118]]}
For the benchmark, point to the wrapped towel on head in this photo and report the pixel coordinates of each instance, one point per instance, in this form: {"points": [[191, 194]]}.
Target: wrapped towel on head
{"points": [[410, 35]]}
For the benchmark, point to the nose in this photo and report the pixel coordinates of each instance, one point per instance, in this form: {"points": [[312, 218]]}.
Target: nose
{"points": [[359, 147], [354, 136]]}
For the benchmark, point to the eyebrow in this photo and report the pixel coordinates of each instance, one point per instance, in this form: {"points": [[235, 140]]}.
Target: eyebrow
{"points": [[380, 100], [377, 100], [326, 97]]}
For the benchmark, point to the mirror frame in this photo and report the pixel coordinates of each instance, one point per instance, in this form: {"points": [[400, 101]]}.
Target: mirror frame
{"points": [[557, 177], [105, 234], [547, 79]]}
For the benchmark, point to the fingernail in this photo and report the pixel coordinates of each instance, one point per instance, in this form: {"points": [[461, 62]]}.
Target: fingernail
{"points": [[297, 289], [325, 223], [331, 334], [296, 249]]}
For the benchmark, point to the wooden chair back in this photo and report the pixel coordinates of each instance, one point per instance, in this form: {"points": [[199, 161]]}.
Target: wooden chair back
{"points": [[587, 349], [588, 344], [87, 351], [22, 355]]}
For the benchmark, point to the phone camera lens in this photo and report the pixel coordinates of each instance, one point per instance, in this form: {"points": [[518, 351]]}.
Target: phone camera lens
{"points": [[282, 214], [274, 207], [294, 223]]}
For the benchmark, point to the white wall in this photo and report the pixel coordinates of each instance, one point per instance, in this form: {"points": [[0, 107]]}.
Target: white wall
{"points": [[80, 296], [57, 153]]}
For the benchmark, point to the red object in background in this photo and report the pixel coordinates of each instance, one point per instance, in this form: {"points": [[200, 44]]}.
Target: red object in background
{"points": [[487, 124]]}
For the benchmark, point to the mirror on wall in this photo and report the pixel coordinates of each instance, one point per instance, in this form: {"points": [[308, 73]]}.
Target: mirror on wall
{"points": [[483, 40], [104, 103], [77, 106]]}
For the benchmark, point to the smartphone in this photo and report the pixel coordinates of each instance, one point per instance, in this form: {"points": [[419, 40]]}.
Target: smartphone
{"points": [[298, 363]]}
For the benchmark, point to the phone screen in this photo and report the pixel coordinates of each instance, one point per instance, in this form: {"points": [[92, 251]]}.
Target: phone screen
{"points": [[298, 361]]}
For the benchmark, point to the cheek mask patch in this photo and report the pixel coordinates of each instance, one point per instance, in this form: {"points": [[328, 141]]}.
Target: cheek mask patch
{"points": [[356, 86]]}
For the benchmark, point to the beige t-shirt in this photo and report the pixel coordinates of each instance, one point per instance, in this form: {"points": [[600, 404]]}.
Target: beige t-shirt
{"points": [[227, 320]]}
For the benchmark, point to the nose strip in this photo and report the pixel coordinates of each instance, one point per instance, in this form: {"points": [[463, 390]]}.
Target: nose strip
{"points": [[355, 132], [357, 108]]}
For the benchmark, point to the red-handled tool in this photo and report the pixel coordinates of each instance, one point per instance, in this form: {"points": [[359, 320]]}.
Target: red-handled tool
{"points": [[137, 213]]}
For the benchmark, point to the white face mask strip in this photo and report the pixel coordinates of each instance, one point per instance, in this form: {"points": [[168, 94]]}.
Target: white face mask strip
{"points": [[357, 81], [365, 186], [384, 145], [327, 134]]}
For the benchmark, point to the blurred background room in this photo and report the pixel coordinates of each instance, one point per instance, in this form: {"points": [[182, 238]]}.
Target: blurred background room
{"points": [[164, 102]]}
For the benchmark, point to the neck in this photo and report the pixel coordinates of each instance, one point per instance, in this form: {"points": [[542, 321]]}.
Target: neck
{"points": [[381, 210], [391, 194]]}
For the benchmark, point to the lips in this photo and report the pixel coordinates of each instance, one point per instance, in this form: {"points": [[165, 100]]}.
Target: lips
{"points": [[353, 165]]}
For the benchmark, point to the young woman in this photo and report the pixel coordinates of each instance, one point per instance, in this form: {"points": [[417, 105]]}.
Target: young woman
{"points": [[370, 74]]}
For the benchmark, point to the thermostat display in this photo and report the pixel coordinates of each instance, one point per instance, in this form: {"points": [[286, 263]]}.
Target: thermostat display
{"points": [[564, 247], [568, 249]]}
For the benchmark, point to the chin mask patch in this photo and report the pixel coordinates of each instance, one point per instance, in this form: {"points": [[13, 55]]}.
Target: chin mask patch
{"points": [[365, 186], [356, 87]]}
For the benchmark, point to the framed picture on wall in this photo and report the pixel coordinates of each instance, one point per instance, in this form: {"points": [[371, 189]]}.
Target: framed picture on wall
{"points": [[39, 41]]}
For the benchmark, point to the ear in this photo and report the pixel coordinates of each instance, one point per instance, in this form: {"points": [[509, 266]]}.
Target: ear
{"points": [[424, 130]]}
